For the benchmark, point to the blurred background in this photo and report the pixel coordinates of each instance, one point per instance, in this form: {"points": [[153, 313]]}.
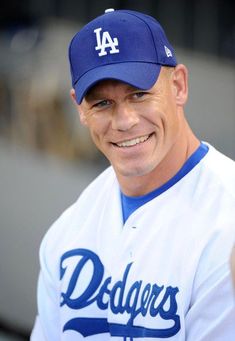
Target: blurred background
{"points": [[46, 157]]}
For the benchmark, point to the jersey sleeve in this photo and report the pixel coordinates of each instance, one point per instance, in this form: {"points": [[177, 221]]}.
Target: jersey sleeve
{"points": [[46, 325], [212, 312], [47, 322], [37, 333]]}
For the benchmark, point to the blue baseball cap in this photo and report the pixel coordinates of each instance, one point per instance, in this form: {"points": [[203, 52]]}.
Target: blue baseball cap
{"points": [[120, 44]]}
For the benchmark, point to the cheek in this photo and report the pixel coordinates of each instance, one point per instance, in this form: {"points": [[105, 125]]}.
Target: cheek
{"points": [[166, 121], [157, 115], [98, 127]]}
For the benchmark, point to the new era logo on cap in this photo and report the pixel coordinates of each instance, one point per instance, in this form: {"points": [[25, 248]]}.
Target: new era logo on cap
{"points": [[168, 51], [124, 45]]}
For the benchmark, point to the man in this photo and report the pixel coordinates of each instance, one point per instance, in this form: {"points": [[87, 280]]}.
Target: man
{"points": [[144, 252]]}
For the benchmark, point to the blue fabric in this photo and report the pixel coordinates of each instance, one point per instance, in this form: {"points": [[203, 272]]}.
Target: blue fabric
{"points": [[124, 45], [130, 204]]}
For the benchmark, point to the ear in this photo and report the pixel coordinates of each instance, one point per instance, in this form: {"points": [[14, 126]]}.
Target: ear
{"points": [[73, 96], [180, 84], [80, 111]]}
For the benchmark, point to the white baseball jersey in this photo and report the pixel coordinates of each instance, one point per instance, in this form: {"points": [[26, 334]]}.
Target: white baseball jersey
{"points": [[163, 275]]}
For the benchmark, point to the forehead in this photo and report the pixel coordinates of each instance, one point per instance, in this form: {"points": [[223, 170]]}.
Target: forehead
{"points": [[106, 86]]}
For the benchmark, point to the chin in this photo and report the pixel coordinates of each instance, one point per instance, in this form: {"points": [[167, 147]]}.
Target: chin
{"points": [[134, 171]]}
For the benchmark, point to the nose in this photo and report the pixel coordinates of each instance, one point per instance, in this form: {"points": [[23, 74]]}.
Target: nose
{"points": [[124, 117]]}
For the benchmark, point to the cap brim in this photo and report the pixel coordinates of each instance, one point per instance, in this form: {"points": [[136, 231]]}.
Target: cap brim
{"points": [[139, 75]]}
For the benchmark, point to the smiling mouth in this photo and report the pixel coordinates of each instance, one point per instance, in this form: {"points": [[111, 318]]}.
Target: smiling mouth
{"points": [[133, 142]]}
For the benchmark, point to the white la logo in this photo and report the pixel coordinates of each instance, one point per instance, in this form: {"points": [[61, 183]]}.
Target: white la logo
{"points": [[106, 42]]}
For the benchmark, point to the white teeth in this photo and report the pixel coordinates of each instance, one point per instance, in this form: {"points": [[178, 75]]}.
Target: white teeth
{"points": [[133, 142]]}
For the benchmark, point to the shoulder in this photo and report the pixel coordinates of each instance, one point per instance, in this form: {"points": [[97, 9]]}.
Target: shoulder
{"points": [[215, 203], [92, 193], [106, 179], [219, 171], [71, 218]]}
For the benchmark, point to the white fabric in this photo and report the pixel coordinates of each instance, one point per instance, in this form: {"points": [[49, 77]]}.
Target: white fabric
{"points": [[164, 273]]}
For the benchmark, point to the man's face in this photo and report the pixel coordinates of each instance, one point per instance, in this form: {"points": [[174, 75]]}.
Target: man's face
{"points": [[134, 129]]}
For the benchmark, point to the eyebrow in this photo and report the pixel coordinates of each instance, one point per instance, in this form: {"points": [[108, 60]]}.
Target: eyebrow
{"points": [[95, 94]]}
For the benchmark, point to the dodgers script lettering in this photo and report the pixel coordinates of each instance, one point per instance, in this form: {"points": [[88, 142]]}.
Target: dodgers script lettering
{"points": [[134, 300]]}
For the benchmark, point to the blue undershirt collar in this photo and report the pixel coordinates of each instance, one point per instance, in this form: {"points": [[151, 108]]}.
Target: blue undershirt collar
{"points": [[130, 204]]}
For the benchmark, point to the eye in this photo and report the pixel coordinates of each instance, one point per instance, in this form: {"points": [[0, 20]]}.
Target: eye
{"points": [[139, 94], [102, 104]]}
